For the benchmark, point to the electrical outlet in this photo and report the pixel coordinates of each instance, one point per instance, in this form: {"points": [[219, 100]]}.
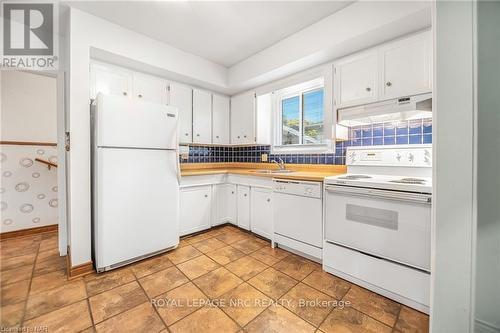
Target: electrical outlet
{"points": [[263, 157], [184, 152]]}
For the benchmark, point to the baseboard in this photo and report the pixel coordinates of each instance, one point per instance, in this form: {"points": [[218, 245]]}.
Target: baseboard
{"points": [[78, 270], [28, 232]]}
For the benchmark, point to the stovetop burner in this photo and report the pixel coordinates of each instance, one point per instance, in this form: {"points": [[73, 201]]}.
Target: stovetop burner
{"points": [[417, 181], [354, 177]]}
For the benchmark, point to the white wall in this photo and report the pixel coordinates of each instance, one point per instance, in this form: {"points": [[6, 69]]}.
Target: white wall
{"points": [[453, 169], [487, 293], [29, 191], [28, 107]]}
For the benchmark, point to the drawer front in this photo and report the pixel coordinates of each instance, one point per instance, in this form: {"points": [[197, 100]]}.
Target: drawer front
{"points": [[401, 283]]}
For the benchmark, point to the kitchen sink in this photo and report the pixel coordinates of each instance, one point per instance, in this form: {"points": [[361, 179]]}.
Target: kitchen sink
{"points": [[272, 171]]}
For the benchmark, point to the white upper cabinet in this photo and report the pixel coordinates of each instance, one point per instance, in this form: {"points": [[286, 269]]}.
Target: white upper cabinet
{"points": [[182, 97], [109, 80], [150, 88], [243, 118], [263, 115], [196, 107], [356, 79], [396, 69], [202, 116], [220, 119], [406, 67]]}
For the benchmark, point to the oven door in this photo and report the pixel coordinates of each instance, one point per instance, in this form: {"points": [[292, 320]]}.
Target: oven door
{"points": [[388, 224]]}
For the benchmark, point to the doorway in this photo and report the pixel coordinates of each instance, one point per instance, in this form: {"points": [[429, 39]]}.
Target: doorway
{"points": [[33, 180]]}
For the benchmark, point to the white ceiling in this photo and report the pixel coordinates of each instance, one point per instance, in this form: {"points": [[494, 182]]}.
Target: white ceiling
{"points": [[225, 32]]}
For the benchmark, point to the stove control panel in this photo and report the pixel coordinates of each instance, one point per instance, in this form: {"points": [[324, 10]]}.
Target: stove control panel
{"points": [[414, 156]]}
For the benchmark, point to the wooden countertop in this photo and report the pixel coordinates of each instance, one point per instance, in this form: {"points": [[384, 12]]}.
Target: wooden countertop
{"points": [[313, 172]]}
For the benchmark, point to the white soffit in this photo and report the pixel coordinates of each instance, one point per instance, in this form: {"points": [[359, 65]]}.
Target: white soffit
{"points": [[356, 27], [351, 27], [224, 32]]}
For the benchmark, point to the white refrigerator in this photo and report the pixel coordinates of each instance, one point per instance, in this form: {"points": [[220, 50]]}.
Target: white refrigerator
{"points": [[135, 180]]}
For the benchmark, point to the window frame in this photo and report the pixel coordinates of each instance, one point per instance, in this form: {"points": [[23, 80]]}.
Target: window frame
{"points": [[297, 90]]}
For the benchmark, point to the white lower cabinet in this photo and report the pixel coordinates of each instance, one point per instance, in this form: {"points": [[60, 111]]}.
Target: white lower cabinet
{"points": [[208, 201], [243, 206], [261, 215], [195, 209], [224, 204], [231, 204]]}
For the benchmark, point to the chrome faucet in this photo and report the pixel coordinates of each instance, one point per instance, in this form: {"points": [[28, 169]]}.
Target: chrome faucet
{"points": [[281, 163]]}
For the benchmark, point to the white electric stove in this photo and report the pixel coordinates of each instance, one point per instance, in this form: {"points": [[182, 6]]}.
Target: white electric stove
{"points": [[378, 221]]}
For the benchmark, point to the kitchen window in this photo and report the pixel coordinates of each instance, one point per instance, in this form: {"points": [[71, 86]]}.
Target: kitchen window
{"points": [[300, 117]]}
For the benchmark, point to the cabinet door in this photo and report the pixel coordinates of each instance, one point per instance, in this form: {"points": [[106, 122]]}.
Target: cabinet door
{"points": [[224, 204], [109, 80], [263, 119], [232, 204], [150, 88], [220, 119], [356, 80], [406, 67], [261, 212], [243, 118], [182, 97], [243, 207], [195, 209], [202, 116]]}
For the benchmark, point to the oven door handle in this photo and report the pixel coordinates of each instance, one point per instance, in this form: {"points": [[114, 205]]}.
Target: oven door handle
{"points": [[382, 194]]}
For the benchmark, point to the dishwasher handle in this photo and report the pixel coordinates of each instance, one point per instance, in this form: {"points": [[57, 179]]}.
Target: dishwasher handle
{"points": [[381, 194]]}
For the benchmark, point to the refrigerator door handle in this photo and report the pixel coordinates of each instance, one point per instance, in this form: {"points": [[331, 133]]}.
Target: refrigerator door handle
{"points": [[177, 157]]}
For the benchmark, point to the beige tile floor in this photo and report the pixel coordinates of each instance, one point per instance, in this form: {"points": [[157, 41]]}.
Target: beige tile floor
{"points": [[223, 280]]}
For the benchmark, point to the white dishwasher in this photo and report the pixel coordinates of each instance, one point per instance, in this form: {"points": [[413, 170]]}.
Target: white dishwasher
{"points": [[298, 216]]}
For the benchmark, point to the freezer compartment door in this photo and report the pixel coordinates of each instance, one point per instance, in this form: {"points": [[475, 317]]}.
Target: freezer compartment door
{"points": [[136, 204], [123, 122]]}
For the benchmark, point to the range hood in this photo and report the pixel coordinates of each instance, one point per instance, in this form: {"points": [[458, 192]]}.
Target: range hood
{"points": [[399, 109]]}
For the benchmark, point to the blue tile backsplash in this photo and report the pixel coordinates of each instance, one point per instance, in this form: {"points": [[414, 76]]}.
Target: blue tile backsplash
{"points": [[417, 131]]}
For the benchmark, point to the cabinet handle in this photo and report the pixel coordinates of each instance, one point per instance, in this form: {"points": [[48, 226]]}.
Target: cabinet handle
{"points": [[232, 192], [197, 135], [186, 134], [206, 195], [268, 200], [388, 83], [140, 96], [238, 136], [368, 89], [244, 136], [245, 195], [124, 93], [217, 136]]}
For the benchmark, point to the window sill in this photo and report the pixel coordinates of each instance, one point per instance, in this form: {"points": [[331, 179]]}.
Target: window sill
{"points": [[302, 149]]}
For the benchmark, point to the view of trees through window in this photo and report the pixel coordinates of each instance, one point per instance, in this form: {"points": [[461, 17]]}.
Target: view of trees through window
{"points": [[302, 118]]}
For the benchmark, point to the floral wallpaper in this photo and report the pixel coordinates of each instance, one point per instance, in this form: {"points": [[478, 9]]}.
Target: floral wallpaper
{"points": [[28, 188]]}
